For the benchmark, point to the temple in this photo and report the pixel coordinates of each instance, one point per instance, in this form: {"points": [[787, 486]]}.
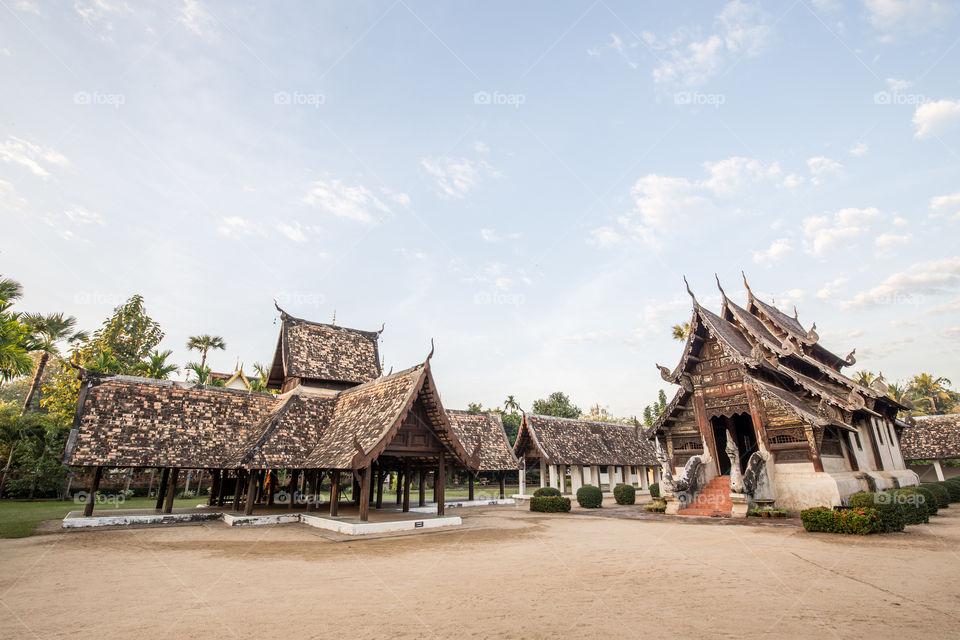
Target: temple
{"points": [[588, 452], [765, 416], [336, 416]]}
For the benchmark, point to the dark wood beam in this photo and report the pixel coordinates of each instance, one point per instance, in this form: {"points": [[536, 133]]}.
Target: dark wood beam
{"points": [[238, 489], [92, 496], [162, 491], [379, 498], [503, 485], [469, 485], [422, 487], [252, 483], [365, 487], [335, 492], [441, 484], [172, 491]]}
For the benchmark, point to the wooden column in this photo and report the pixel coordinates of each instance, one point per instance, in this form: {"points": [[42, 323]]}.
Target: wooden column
{"points": [[162, 491], [238, 489], [312, 489], [706, 430], [379, 497], [365, 486], [214, 488], [441, 484], [625, 473], [469, 485], [222, 493], [171, 491], [252, 483], [423, 487], [406, 487], [503, 485], [399, 485], [335, 492], [436, 486], [92, 496], [272, 490], [293, 488]]}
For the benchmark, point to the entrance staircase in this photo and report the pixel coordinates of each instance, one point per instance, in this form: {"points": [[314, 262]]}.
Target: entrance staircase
{"points": [[713, 501]]}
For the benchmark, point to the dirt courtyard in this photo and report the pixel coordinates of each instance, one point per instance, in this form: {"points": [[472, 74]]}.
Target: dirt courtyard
{"points": [[505, 573]]}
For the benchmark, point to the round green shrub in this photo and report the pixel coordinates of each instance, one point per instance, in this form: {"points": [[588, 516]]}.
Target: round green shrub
{"points": [[590, 497], [943, 496], [550, 504], [625, 494], [888, 509], [655, 490], [849, 521], [929, 499], [953, 488], [913, 503], [546, 491]]}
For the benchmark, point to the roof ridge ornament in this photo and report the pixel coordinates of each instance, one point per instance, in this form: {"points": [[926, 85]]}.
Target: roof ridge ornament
{"points": [[851, 358], [746, 284], [722, 292], [383, 325], [795, 316], [666, 374], [812, 335], [687, 284], [430, 355]]}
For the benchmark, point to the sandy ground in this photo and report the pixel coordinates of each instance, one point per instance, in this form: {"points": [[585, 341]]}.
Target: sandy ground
{"points": [[506, 573]]}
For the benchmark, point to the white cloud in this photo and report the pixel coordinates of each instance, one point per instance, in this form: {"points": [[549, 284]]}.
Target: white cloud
{"points": [[844, 228], [79, 215], [604, 237], [99, 14], [615, 44], [948, 205], [829, 290], [690, 59], [33, 156], [792, 181], [911, 16], [27, 6], [859, 149], [931, 277], [896, 85], [455, 177], [481, 147], [292, 231], [354, 202], [726, 176], [888, 242], [932, 118], [821, 167], [197, 19], [777, 251], [950, 306], [236, 226], [587, 337], [899, 222], [490, 235], [9, 198]]}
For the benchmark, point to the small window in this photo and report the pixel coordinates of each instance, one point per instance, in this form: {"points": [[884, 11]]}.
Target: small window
{"points": [[879, 434], [856, 436]]}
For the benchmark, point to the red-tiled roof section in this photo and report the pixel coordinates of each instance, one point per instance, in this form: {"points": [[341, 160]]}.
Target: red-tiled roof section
{"points": [[933, 437], [314, 351], [585, 442], [486, 429]]}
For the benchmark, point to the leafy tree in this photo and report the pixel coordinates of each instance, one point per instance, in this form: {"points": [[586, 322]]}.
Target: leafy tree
{"points": [[510, 405], [49, 330], [32, 445], [680, 331], [602, 414], [864, 378], [474, 407], [557, 404], [156, 365], [260, 383], [932, 395], [203, 344], [511, 424], [16, 339], [652, 411]]}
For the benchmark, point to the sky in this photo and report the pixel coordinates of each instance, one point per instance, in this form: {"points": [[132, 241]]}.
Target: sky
{"points": [[524, 184]]}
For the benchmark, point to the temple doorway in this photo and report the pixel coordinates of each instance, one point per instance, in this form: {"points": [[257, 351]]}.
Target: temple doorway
{"points": [[740, 428]]}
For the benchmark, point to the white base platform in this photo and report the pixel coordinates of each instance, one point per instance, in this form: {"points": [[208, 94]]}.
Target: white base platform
{"points": [[390, 526], [464, 503], [272, 518], [80, 522]]}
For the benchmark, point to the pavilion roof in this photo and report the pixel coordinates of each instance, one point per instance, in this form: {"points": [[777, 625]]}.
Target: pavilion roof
{"points": [[932, 438], [486, 430], [583, 442]]}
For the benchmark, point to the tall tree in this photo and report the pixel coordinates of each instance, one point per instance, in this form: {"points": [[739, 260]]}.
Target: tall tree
{"points": [[203, 344], [49, 330], [16, 339], [932, 394], [557, 404], [680, 331], [510, 405], [864, 378], [156, 366]]}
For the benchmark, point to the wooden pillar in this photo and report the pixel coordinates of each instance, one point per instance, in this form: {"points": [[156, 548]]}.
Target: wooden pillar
{"points": [[238, 489], [938, 469], [222, 493], [370, 487], [406, 487], [379, 498], [365, 487], [171, 491], [272, 491], [292, 488], [162, 491], [436, 486], [313, 487], [522, 476], [469, 485], [543, 473], [625, 473], [252, 483], [335, 492], [441, 484], [423, 487], [503, 485], [214, 488], [92, 496], [399, 485]]}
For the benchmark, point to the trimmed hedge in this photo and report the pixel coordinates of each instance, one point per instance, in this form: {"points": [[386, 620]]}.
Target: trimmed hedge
{"points": [[953, 488], [655, 490], [941, 493], [625, 494], [655, 508], [888, 509], [546, 491], [850, 521], [550, 504], [913, 503], [590, 497], [929, 499]]}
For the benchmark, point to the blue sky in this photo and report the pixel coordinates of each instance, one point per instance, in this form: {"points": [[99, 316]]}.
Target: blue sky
{"points": [[525, 184]]}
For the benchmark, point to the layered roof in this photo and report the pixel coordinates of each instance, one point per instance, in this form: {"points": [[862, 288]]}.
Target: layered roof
{"points": [[785, 362], [932, 438], [484, 430], [324, 352], [582, 442]]}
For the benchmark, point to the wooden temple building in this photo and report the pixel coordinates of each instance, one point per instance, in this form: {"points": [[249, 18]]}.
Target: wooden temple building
{"points": [[601, 454], [336, 416], [765, 415]]}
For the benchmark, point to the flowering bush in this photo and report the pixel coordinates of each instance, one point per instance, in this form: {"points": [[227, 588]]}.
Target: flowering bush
{"points": [[850, 521], [889, 509]]}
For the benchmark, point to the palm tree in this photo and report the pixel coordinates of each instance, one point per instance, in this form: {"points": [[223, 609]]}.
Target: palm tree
{"points": [[510, 405], [680, 331], [864, 378], [104, 362], [203, 344], [16, 340], [49, 330], [202, 372], [926, 388], [156, 367], [260, 384]]}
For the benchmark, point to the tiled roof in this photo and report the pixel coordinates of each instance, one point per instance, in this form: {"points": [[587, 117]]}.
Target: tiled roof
{"points": [[932, 437], [314, 351], [487, 430], [583, 442]]}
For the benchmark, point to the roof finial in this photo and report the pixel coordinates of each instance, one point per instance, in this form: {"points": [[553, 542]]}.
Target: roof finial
{"points": [[745, 283], [688, 289], [430, 355], [333, 322], [283, 313], [795, 317], [720, 287], [383, 326]]}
